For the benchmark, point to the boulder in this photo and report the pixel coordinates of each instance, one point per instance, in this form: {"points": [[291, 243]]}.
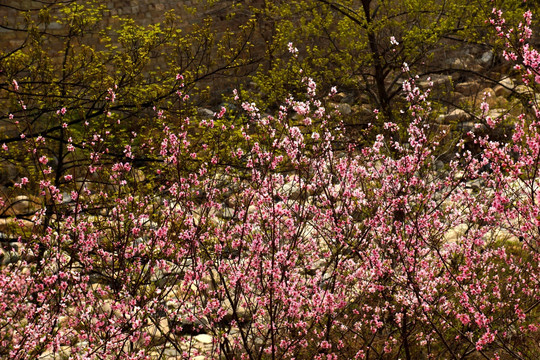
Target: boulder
{"points": [[8, 173], [203, 338], [158, 329], [205, 113], [7, 224], [339, 97], [344, 108], [437, 80], [23, 204], [504, 88], [465, 61], [454, 116], [292, 191], [487, 58], [489, 95], [502, 91], [522, 89], [468, 88], [226, 213], [454, 235], [240, 311]]}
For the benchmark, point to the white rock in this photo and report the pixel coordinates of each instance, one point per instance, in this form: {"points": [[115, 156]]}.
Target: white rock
{"points": [[203, 338], [453, 235], [487, 57], [507, 82], [205, 113]]}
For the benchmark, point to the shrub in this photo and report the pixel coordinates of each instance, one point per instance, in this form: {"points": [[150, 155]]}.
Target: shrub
{"points": [[293, 249]]}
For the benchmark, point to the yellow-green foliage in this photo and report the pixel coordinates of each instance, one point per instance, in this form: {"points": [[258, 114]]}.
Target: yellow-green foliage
{"points": [[347, 43]]}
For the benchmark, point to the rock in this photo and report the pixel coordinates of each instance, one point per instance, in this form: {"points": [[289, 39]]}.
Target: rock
{"points": [[522, 89], [172, 352], [467, 126], [454, 116], [490, 97], [439, 165], [488, 92], [157, 330], [4, 237], [310, 269], [63, 353], [205, 113], [258, 340], [241, 312], [500, 102], [63, 322], [4, 257], [21, 205], [16, 249], [107, 309], [475, 184], [507, 82], [496, 113], [453, 235], [468, 88], [252, 209], [465, 61], [191, 327], [203, 338], [339, 97], [207, 279], [138, 175], [504, 88], [8, 173], [502, 91], [233, 200], [47, 355], [364, 111], [11, 253], [171, 274], [457, 63], [457, 98], [487, 58], [9, 130], [344, 108], [500, 235], [9, 222], [226, 213], [436, 79], [292, 191]]}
